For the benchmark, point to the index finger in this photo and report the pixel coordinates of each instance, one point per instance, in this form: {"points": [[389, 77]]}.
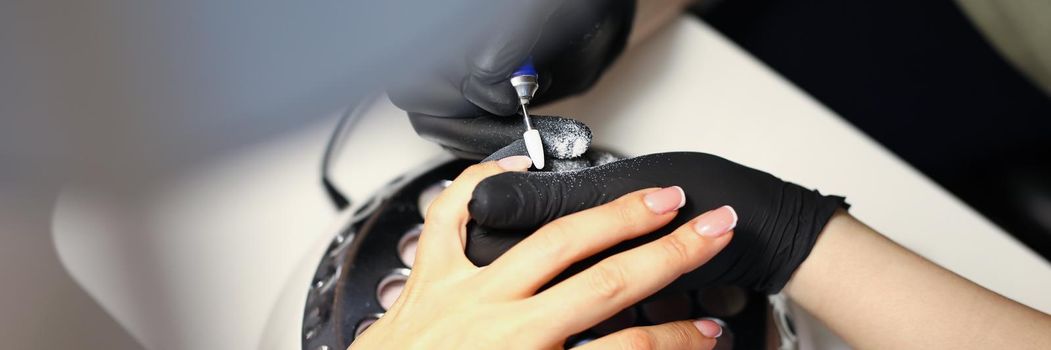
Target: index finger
{"points": [[623, 279]]}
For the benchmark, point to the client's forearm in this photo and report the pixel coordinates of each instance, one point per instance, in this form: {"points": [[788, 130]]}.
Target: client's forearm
{"points": [[877, 294]]}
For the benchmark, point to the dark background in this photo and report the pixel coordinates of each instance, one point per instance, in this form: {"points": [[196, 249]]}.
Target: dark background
{"points": [[919, 78]]}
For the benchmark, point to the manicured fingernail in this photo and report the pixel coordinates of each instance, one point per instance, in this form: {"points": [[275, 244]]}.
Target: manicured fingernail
{"points": [[665, 199], [717, 222], [515, 163], [708, 327]]}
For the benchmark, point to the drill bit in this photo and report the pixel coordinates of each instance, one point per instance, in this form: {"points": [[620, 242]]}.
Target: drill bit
{"points": [[524, 80], [525, 118]]}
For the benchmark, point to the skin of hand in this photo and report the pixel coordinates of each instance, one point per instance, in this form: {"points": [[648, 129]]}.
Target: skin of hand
{"points": [[878, 295], [450, 303]]}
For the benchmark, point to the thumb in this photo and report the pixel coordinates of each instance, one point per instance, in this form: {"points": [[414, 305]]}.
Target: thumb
{"points": [[527, 200]]}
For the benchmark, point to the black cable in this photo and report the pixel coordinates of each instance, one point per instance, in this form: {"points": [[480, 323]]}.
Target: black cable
{"points": [[349, 116]]}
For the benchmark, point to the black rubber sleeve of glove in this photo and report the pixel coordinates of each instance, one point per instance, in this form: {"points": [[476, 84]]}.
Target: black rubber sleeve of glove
{"points": [[778, 221]]}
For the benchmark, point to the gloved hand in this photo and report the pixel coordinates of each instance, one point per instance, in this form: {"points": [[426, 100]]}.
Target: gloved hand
{"points": [[571, 43], [778, 221], [478, 137]]}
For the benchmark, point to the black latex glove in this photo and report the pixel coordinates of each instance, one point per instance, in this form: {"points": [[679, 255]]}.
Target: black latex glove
{"points": [[778, 221], [476, 138], [571, 43]]}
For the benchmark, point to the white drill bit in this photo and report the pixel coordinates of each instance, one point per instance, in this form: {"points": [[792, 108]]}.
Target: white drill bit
{"points": [[534, 145]]}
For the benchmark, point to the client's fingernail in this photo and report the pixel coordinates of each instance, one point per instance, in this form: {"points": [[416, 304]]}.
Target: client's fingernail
{"points": [[665, 199], [515, 163], [708, 327], [717, 222]]}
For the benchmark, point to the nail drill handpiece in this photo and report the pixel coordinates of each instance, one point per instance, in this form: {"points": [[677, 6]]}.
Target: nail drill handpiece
{"points": [[524, 80]]}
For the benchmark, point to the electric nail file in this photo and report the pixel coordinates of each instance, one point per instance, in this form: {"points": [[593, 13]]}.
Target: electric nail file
{"points": [[525, 82]]}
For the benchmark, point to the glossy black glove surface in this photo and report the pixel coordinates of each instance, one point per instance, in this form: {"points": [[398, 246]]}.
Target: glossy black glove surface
{"points": [[778, 221], [571, 43], [479, 137]]}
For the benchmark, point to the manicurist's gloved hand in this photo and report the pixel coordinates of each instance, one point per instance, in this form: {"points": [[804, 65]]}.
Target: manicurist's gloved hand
{"points": [[571, 43], [777, 226], [479, 137]]}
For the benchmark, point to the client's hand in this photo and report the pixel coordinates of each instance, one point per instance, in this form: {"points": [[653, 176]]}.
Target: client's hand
{"points": [[449, 303], [779, 221]]}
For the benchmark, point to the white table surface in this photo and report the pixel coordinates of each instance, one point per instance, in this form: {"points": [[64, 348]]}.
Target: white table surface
{"points": [[220, 257]]}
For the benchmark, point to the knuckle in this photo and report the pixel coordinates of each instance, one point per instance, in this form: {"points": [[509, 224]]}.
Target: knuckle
{"points": [[638, 339], [441, 212], [607, 281], [675, 249], [561, 227], [681, 333], [551, 245], [434, 209], [629, 214]]}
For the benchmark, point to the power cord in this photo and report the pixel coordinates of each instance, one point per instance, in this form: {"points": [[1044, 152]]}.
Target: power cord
{"points": [[350, 116]]}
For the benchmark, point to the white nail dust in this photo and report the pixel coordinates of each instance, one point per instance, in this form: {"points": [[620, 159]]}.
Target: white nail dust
{"points": [[564, 138]]}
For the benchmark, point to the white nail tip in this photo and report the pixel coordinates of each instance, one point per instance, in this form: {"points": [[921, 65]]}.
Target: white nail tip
{"points": [[682, 197], [734, 213]]}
